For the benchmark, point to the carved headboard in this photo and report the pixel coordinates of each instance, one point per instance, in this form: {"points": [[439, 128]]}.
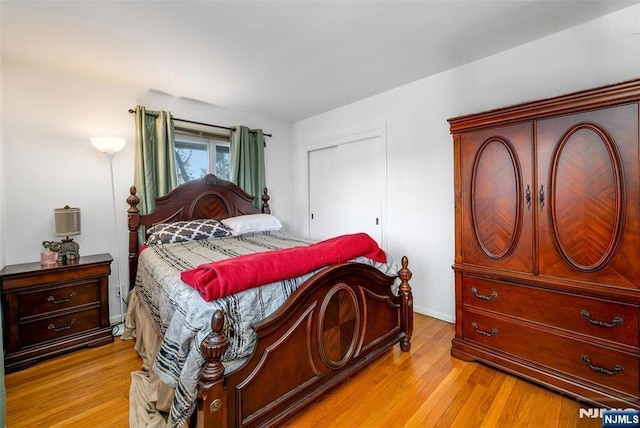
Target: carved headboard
{"points": [[207, 197]]}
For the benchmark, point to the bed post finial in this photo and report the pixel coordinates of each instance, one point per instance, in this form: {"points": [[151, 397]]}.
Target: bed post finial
{"points": [[133, 200], [213, 348], [133, 217], [265, 202], [407, 304], [212, 403]]}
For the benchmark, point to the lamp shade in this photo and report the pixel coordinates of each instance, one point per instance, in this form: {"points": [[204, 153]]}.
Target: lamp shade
{"points": [[66, 221], [108, 145]]}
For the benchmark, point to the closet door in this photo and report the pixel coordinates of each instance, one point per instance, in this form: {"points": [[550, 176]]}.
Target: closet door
{"points": [[346, 189], [323, 195], [497, 186], [588, 196]]}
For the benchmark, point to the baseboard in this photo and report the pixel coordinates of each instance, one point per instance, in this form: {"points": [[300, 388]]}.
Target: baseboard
{"points": [[443, 317]]}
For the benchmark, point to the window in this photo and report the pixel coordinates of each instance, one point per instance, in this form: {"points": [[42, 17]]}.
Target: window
{"points": [[198, 156]]}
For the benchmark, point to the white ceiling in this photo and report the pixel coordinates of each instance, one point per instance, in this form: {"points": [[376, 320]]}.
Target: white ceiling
{"points": [[284, 59]]}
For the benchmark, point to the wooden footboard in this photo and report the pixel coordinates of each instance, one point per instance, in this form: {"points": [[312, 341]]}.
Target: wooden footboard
{"points": [[333, 325]]}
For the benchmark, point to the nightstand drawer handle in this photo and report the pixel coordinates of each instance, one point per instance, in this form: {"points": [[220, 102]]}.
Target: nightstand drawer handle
{"points": [[616, 369], [53, 300], [493, 331], [53, 327], [491, 296], [614, 322]]}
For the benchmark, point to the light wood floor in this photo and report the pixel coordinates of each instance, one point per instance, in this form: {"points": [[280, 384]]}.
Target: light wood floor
{"points": [[424, 388]]}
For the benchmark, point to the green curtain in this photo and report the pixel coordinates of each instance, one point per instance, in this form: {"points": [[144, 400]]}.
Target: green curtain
{"points": [[155, 162], [247, 161]]}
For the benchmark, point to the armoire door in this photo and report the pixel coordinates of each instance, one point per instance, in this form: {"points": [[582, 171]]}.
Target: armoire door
{"points": [[589, 226], [346, 189], [497, 187]]}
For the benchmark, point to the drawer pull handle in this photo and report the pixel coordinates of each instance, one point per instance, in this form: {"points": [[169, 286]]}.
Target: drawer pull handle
{"points": [[527, 197], [493, 331], [53, 327], [616, 369], [614, 322], [53, 300], [491, 296]]}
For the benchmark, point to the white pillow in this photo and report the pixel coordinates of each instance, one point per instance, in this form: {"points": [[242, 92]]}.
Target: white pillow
{"points": [[252, 223]]}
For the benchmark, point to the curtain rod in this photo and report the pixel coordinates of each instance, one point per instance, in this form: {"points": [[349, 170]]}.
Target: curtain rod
{"points": [[204, 124]]}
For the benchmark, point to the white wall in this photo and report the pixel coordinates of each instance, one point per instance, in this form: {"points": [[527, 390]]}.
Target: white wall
{"points": [[47, 120], [3, 215], [420, 159]]}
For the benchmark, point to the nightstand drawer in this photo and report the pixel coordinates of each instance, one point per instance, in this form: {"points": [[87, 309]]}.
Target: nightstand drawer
{"points": [[55, 298], [53, 274], [43, 330]]}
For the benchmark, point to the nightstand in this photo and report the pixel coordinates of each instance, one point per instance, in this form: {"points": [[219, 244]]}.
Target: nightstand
{"points": [[50, 310]]}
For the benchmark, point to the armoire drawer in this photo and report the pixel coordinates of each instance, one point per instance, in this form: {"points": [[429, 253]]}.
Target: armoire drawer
{"points": [[51, 298], [611, 321], [602, 366]]}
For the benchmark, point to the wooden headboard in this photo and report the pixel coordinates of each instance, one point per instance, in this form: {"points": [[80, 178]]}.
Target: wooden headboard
{"points": [[207, 197]]}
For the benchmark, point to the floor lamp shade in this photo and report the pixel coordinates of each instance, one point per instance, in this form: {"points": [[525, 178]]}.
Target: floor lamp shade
{"points": [[108, 145]]}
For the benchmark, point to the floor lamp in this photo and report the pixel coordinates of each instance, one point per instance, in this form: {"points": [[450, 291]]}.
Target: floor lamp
{"points": [[110, 146]]}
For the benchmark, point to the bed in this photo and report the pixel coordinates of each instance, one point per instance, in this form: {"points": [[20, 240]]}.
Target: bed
{"points": [[319, 329]]}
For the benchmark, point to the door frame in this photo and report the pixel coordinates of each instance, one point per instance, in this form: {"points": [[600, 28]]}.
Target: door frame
{"points": [[352, 136]]}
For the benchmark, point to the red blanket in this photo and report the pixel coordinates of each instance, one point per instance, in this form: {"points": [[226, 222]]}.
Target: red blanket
{"points": [[229, 276]]}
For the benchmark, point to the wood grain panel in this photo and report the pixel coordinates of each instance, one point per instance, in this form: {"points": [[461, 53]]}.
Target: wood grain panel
{"points": [[495, 179], [590, 223], [211, 205], [587, 197], [339, 325], [256, 401], [495, 197]]}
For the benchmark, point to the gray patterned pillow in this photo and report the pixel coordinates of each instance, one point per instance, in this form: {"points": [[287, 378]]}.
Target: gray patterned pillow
{"points": [[181, 231]]}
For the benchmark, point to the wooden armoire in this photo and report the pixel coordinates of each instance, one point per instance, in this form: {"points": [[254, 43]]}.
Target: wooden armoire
{"points": [[547, 260]]}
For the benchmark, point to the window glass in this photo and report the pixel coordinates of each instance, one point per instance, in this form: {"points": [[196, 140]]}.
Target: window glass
{"points": [[223, 161], [196, 157]]}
